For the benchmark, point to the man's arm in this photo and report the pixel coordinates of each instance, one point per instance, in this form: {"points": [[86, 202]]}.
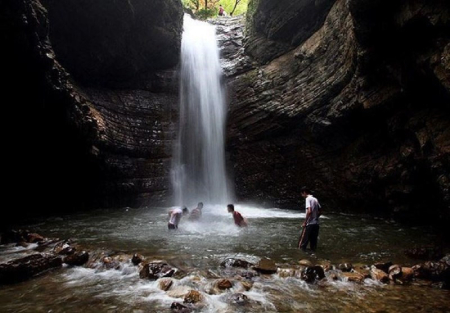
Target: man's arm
{"points": [[308, 215]]}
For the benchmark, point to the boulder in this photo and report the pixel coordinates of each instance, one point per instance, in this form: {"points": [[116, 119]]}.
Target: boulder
{"points": [[193, 296], [77, 258], [27, 267], [266, 266], [378, 275], [165, 283], [155, 270]]}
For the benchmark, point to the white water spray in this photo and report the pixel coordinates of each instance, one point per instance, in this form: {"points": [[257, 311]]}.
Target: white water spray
{"points": [[198, 171]]}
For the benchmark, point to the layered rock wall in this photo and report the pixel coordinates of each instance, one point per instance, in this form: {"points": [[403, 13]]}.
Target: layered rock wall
{"points": [[359, 111], [93, 87]]}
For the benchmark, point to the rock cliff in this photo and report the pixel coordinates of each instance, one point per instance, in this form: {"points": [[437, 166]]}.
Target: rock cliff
{"points": [[92, 86], [357, 107]]}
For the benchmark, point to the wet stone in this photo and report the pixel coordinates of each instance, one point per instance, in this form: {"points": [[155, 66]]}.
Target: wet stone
{"points": [[77, 258], [378, 275], [137, 258], [345, 267], [266, 266], [179, 308], [353, 277], [165, 283], [305, 262], [238, 299], [231, 262], [193, 296], [312, 273], [224, 284], [155, 270]]}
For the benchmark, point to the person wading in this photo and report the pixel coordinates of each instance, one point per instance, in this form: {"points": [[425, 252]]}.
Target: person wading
{"points": [[175, 217], [310, 230], [238, 219]]}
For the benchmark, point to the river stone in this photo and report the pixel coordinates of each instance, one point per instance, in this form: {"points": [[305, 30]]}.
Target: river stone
{"points": [[395, 272], [178, 291], [345, 267], [446, 259], [77, 258], [33, 238], [27, 267], [165, 283], [179, 308], [383, 266], [378, 275], [286, 272], [231, 262], [327, 266], [266, 266], [155, 270], [193, 296], [110, 263], [353, 277], [224, 284], [305, 262], [63, 248], [311, 273], [247, 285], [137, 258], [238, 298]]}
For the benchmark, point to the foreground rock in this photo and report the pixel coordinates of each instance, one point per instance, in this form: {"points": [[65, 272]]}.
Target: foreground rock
{"points": [[28, 267], [266, 266], [155, 270]]}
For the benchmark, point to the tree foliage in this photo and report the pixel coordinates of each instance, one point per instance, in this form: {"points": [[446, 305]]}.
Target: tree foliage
{"points": [[231, 7]]}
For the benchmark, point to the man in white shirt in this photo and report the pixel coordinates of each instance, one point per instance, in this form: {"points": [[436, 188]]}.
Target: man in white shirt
{"points": [[311, 224], [175, 217]]}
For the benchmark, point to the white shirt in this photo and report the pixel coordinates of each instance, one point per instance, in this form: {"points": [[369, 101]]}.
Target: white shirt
{"points": [[312, 203], [175, 216]]}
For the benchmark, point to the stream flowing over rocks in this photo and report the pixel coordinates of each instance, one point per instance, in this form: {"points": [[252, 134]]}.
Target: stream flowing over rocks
{"points": [[114, 263]]}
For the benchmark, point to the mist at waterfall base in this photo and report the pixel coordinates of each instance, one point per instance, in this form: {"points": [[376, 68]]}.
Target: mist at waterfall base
{"points": [[198, 170]]}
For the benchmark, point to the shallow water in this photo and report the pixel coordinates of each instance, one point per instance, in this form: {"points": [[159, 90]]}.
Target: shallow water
{"points": [[198, 249]]}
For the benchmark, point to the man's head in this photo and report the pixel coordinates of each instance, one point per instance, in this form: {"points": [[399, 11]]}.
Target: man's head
{"points": [[185, 211], [200, 205], [305, 191], [230, 208]]}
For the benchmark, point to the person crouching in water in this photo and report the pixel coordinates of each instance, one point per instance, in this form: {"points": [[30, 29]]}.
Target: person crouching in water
{"points": [[238, 219], [175, 217], [196, 213]]}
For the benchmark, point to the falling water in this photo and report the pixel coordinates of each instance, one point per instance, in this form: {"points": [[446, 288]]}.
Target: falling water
{"points": [[198, 171]]}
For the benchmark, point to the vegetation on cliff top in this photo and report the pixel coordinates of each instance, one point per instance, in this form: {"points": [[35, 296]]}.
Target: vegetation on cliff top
{"points": [[210, 8]]}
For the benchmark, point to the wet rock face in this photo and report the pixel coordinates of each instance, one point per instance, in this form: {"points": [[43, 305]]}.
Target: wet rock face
{"points": [[358, 111], [108, 144], [113, 41], [275, 27]]}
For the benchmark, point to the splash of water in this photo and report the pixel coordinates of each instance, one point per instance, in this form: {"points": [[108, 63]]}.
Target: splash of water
{"points": [[198, 170]]}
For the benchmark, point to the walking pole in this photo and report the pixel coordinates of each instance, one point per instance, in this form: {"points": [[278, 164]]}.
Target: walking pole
{"points": [[301, 236]]}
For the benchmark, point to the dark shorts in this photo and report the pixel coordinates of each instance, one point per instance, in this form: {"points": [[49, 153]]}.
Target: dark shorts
{"points": [[172, 226]]}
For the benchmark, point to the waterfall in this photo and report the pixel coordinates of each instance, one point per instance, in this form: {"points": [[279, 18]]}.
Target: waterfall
{"points": [[198, 169]]}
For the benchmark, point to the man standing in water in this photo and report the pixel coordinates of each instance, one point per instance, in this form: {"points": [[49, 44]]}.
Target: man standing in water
{"points": [[175, 217], [196, 213], [310, 226], [238, 219]]}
